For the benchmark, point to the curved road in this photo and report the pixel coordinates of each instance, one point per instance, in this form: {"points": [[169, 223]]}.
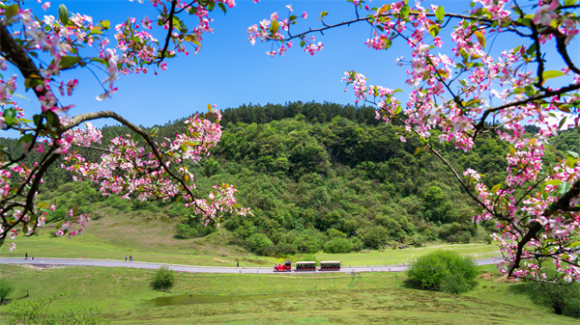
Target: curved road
{"points": [[200, 269]]}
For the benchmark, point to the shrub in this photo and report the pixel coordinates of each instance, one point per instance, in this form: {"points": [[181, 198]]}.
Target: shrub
{"points": [[357, 244], [164, 279], [376, 237], [437, 271], [465, 238], [333, 233], [563, 298], [338, 245], [258, 243], [6, 289], [455, 283]]}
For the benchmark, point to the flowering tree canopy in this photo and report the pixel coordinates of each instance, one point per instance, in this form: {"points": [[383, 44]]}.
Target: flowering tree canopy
{"points": [[451, 97], [42, 48]]}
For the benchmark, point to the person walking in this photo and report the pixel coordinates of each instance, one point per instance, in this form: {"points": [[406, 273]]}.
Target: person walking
{"points": [[238, 264], [131, 258], [26, 256], [125, 258]]}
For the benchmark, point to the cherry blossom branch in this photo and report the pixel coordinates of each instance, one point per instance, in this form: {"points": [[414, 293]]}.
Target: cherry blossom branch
{"points": [[169, 31], [146, 136], [369, 19]]}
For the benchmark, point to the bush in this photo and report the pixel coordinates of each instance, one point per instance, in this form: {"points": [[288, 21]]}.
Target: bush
{"points": [[357, 244], [438, 271], [455, 283], [465, 238], [338, 245], [6, 289], [258, 243], [563, 298], [164, 279], [376, 237]]}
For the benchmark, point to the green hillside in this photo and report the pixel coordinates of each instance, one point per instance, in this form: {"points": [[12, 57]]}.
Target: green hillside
{"points": [[317, 177]]}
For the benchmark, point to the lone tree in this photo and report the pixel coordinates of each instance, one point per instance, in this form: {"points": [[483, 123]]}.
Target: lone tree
{"points": [[141, 167], [454, 96]]}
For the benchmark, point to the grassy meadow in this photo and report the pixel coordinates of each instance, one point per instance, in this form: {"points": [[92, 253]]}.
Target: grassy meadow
{"points": [[369, 298], [153, 240]]}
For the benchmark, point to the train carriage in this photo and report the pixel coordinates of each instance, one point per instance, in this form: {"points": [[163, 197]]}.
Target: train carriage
{"points": [[330, 266], [305, 266]]}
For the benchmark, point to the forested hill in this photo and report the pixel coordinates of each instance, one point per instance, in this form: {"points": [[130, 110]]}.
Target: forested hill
{"points": [[322, 176]]}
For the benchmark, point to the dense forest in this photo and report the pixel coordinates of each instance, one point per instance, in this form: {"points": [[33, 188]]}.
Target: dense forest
{"points": [[321, 176]]}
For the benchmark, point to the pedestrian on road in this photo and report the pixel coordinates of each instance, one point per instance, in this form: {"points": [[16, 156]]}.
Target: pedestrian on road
{"points": [[33, 258], [130, 258], [125, 258], [26, 256], [238, 264]]}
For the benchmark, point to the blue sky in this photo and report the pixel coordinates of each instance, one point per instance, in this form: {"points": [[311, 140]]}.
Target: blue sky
{"points": [[229, 71]]}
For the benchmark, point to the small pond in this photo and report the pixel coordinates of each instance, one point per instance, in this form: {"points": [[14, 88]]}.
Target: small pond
{"points": [[191, 299]]}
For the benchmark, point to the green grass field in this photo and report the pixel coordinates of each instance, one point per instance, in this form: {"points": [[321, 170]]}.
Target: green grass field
{"points": [[369, 298], [153, 240]]}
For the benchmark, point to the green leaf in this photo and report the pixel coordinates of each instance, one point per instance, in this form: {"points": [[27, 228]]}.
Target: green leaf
{"points": [[562, 121], [191, 38], [563, 108], [398, 110], [440, 13], [275, 26], [105, 62], [154, 131], [417, 151], [404, 12], [63, 14], [68, 61], [75, 208], [564, 188], [552, 74], [398, 90], [23, 97], [573, 154], [574, 244], [105, 23], [323, 14], [222, 7], [178, 198], [136, 137], [496, 188], [569, 2], [474, 102], [11, 11], [553, 182], [480, 38], [434, 30]]}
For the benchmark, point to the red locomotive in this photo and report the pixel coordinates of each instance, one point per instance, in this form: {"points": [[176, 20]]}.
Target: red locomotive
{"points": [[286, 267]]}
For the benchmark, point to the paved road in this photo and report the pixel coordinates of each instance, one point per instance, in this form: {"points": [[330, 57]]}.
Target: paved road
{"points": [[39, 261]]}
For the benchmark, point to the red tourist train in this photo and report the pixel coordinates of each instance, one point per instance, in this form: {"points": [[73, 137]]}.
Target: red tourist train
{"points": [[308, 266]]}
